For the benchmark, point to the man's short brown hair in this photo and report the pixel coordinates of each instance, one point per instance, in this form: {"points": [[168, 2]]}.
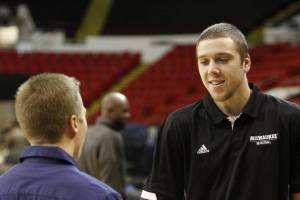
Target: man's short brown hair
{"points": [[44, 103], [222, 30]]}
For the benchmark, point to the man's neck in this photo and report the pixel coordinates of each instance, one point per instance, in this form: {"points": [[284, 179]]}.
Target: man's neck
{"points": [[236, 104], [66, 146]]}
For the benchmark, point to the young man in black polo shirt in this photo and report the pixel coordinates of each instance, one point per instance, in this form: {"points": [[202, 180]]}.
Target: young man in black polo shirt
{"points": [[237, 143]]}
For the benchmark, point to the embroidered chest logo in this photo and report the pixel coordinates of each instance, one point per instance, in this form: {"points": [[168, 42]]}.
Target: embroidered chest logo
{"points": [[203, 150], [263, 139]]}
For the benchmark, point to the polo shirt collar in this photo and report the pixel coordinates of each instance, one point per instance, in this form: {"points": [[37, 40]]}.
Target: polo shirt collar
{"points": [[213, 110], [47, 152], [253, 107]]}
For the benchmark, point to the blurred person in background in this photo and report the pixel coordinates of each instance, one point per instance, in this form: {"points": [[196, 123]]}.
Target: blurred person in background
{"points": [[51, 114], [25, 22], [103, 154], [12, 143], [238, 143], [6, 17]]}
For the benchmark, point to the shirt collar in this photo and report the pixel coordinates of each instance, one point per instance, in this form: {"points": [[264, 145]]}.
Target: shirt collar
{"points": [[109, 123], [47, 152], [253, 107], [213, 111]]}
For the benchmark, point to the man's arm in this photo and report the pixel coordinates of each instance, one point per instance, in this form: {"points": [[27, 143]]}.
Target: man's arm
{"points": [[166, 177], [111, 174], [111, 162], [295, 155], [296, 196]]}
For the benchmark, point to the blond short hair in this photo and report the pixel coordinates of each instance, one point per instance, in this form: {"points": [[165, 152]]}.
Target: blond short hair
{"points": [[44, 103]]}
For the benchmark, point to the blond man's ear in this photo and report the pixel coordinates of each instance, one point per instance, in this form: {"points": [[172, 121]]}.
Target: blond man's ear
{"points": [[73, 126]]}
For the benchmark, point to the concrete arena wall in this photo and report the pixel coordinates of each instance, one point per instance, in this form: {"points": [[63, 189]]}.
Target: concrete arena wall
{"points": [[150, 47]]}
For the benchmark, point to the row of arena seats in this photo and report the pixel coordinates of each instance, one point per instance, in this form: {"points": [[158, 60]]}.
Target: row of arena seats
{"points": [[35, 62], [277, 68], [296, 101], [173, 81], [169, 83], [96, 71]]}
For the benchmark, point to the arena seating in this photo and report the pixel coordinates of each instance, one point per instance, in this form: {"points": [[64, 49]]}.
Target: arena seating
{"points": [[96, 71], [168, 84], [296, 100], [275, 65]]}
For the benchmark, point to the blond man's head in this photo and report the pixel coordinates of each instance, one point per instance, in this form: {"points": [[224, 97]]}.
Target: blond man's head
{"points": [[44, 104]]}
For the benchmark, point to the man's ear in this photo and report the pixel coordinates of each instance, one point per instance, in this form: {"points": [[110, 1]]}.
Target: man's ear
{"points": [[73, 126], [247, 63]]}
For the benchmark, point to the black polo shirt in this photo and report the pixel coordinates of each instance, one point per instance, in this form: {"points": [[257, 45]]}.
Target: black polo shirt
{"points": [[201, 156]]}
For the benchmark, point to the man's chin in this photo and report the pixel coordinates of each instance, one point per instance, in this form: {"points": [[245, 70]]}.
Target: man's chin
{"points": [[218, 97]]}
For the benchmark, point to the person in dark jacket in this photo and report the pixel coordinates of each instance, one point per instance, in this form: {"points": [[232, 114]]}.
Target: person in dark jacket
{"points": [[103, 154]]}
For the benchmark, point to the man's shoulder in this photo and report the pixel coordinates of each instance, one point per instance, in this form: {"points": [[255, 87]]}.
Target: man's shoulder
{"points": [[67, 183], [80, 183], [94, 185], [186, 113], [100, 133], [100, 128], [284, 107], [96, 189]]}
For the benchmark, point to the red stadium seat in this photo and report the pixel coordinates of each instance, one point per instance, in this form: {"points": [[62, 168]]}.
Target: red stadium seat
{"points": [[97, 72]]}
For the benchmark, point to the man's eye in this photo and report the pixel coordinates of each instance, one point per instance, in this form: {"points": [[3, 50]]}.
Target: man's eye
{"points": [[203, 62], [222, 60]]}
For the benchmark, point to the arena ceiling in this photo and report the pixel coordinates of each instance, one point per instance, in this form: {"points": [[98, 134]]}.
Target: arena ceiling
{"points": [[132, 17]]}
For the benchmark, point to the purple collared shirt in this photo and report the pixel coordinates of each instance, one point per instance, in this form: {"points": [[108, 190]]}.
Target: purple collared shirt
{"points": [[49, 173]]}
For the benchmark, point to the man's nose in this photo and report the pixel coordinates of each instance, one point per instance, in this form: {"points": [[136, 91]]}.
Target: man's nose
{"points": [[213, 68]]}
